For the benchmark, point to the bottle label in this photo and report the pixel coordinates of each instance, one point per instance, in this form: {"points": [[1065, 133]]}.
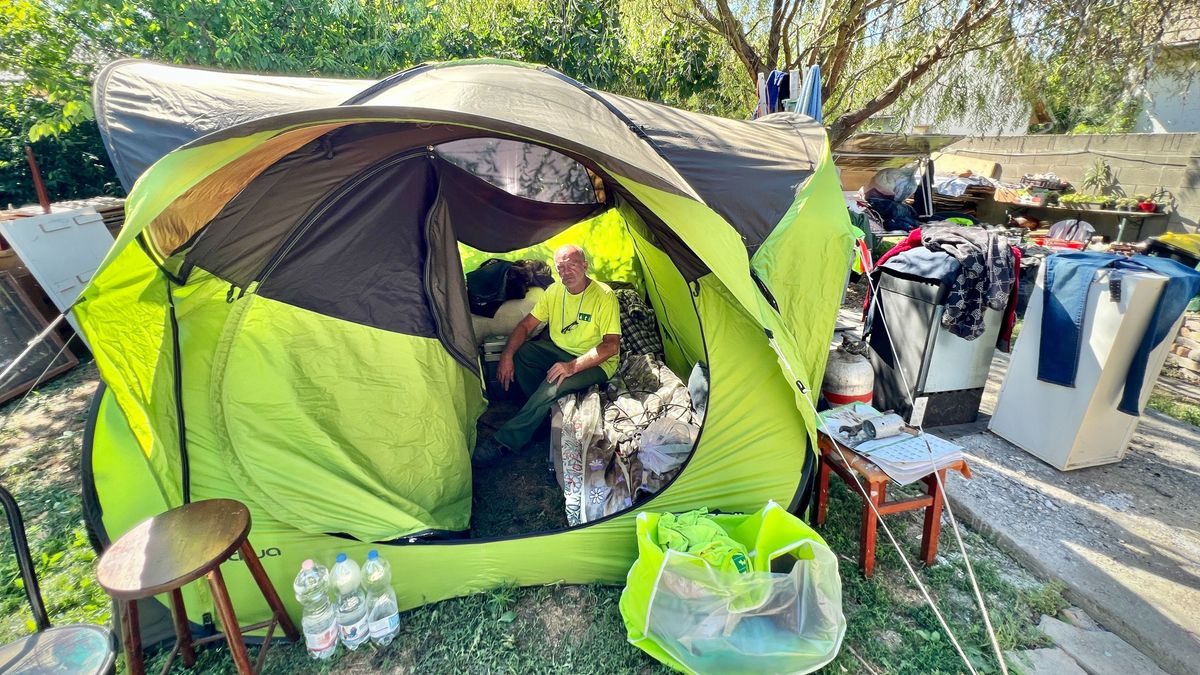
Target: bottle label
{"points": [[319, 642], [381, 628], [356, 633]]}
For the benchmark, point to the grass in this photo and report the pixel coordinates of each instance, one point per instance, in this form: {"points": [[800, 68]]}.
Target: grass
{"points": [[558, 629], [1182, 410]]}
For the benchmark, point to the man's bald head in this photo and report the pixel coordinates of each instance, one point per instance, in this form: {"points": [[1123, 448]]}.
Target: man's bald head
{"points": [[569, 251], [572, 265]]}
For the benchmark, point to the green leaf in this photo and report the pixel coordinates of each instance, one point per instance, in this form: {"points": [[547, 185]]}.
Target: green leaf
{"points": [[508, 617]]}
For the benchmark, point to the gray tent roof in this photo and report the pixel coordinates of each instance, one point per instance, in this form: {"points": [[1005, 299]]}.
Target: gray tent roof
{"points": [[746, 171]]}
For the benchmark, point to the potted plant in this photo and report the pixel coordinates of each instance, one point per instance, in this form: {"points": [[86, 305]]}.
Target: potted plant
{"points": [[1069, 200], [1100, 177], [1146, 203], [1127, 204]]}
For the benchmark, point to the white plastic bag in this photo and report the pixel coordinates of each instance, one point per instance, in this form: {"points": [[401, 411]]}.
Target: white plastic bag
{"points": [[665, 444]]}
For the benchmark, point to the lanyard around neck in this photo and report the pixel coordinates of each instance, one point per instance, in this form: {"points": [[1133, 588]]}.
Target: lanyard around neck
{"points": [[579, 308]]}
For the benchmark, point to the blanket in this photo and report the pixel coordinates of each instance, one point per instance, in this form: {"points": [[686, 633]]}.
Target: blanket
{"points": [[615, 445]]}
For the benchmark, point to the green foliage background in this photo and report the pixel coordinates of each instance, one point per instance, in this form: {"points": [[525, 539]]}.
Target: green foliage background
{"points": [[1077, 64], [50, 50]]}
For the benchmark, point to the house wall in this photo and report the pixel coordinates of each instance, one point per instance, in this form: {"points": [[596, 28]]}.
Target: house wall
{"points": [[1142, 163], [1172, 104]]}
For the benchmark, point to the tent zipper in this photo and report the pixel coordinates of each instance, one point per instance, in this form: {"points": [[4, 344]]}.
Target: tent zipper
{"points": [[762, 288], [313, 216]]}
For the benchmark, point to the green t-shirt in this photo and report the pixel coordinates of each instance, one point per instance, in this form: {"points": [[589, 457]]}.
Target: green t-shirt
{"points": [[588, 317]]}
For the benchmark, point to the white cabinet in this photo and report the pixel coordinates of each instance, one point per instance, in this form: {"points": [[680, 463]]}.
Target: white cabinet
{"points": [[1071, 428]]}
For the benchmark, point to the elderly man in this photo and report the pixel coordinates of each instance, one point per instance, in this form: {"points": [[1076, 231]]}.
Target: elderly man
{"points": [[585, 336]]}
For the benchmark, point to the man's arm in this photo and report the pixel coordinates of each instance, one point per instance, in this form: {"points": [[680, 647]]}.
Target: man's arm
{"points": [[506, 369], [608, 347]]}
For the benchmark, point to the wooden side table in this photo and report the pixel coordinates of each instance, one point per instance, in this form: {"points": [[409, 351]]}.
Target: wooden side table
{"points": [[170, 550], [876, 483]]}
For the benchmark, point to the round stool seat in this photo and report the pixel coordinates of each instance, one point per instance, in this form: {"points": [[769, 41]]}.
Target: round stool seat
{"points": [[174, 548], [62, 649]]}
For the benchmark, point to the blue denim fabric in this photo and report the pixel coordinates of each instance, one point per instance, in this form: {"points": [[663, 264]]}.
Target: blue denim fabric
{"points": [[1068, 279]]}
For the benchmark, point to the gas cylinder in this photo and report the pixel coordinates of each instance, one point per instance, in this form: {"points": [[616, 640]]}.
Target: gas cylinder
{"points": [[849, 376]]}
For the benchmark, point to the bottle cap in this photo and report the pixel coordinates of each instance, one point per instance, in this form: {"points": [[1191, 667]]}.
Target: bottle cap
{"points": [[373, 555], [341, 557], [307, 565]]}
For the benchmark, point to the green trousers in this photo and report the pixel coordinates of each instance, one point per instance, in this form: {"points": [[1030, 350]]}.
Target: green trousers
{"points": [[531, 363]]}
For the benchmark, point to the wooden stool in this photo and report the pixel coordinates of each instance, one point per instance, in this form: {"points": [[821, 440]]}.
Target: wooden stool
{"points": [[170, 550], [876, 483]]}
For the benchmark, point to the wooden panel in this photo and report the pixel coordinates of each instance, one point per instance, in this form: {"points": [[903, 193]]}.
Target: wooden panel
{"points": [[946, 163]]}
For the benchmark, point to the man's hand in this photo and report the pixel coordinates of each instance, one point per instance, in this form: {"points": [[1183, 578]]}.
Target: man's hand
{"points": [[560, 371], [505, 371]]}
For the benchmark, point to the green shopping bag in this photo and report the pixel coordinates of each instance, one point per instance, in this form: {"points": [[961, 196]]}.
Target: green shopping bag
{"points": [[782, 615]]}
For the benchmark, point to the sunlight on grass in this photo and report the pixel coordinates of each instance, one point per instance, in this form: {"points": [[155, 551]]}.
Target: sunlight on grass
{"points": [[1184, 411], [557, 629]]}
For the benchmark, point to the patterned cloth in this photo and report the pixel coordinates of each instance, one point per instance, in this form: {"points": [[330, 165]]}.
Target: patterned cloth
{"points": [[985, 280], [602, 432], [639, 327]]}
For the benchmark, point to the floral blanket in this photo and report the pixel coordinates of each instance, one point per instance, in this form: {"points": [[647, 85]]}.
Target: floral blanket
{"points": [[616, 444]]}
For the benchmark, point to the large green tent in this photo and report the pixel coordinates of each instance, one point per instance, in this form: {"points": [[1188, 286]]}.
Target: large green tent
{"points": [[283, 318]]}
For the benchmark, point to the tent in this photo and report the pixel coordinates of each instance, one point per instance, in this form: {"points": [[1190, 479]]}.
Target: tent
{"points": [[283, 318]]}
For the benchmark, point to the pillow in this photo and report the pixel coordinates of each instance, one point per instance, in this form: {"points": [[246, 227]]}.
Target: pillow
{"points": [[507, 317]]}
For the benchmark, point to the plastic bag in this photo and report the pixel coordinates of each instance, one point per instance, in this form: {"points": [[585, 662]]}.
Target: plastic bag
{"points": [[666, 443], [698, 389], [784, 615]]}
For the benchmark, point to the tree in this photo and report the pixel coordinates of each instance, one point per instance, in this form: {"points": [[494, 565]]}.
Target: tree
{"points": [[873, 53]]}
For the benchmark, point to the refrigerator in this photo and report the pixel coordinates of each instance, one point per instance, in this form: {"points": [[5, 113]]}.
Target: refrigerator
{"points": [[1071, 428], [928, 361]]}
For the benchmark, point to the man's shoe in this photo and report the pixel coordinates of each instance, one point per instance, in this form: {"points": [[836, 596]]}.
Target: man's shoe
{"points": [[488, 451]]}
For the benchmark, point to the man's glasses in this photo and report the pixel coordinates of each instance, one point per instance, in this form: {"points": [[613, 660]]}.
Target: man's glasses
{"points": [[569, 327]]}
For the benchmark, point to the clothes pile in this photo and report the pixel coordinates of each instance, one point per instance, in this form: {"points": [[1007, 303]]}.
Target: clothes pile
{"points": [[980, 267], [958, 185], [696, 533], [639, 326], [985, 280]]}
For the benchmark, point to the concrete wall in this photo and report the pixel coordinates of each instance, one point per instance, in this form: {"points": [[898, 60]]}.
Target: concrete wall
{"points": [[1142, 163]]}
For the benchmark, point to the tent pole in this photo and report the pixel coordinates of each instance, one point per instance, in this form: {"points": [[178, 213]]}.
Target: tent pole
{"points": [[33, 342]]}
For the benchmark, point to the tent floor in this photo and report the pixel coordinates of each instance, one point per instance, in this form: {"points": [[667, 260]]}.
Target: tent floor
{"points": [[518, 494]]}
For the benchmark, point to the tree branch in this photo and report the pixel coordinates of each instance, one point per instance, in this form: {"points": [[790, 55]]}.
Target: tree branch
{"points": [[971, 19], [735, 35]]}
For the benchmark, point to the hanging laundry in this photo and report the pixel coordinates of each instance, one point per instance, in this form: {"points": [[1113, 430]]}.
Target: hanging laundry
{"points": [[777, 90], [1066, 284]]}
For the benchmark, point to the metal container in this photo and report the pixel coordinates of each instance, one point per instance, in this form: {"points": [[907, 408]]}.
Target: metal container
{"points": [[849, 376]]}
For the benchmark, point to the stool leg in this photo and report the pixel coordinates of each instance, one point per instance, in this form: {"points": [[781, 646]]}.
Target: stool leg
{"points": [[268, 591], [233, 632], [823, 472], [933, 519], [183, 633], [131, 635], [866, 544]]}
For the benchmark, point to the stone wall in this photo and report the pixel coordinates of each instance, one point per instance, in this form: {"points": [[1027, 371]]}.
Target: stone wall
{"points": [[1142, 163]]}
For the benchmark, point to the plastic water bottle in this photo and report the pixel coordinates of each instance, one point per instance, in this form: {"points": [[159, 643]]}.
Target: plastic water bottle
{"points": [[351, 603], [383, 611], [320, 618]]}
